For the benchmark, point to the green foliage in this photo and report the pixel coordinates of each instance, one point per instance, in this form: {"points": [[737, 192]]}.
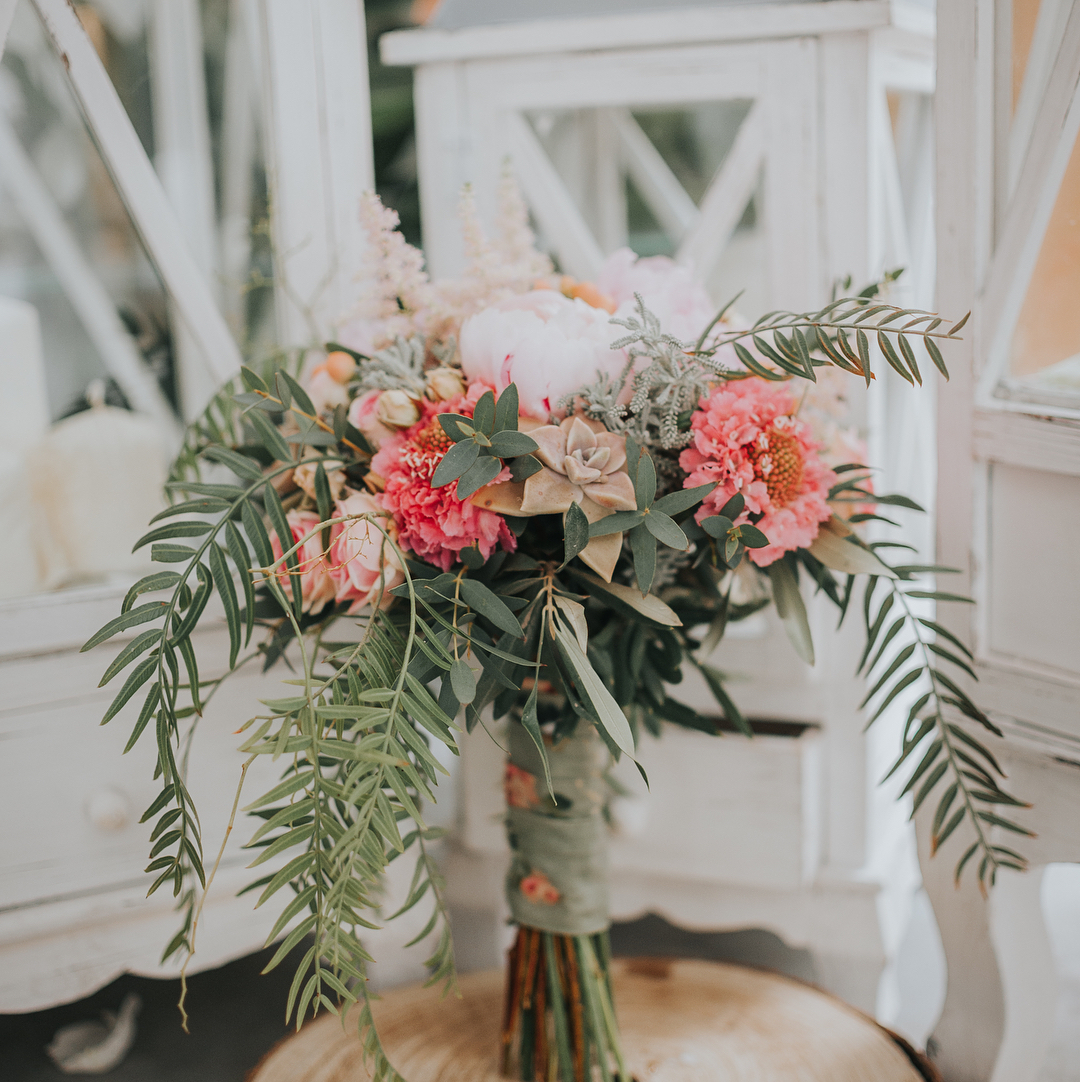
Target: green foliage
{"points": [[484, 443]]}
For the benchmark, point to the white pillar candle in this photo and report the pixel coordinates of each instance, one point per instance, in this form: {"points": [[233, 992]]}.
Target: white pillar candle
{"points": [[22, 376], [98, 480]]}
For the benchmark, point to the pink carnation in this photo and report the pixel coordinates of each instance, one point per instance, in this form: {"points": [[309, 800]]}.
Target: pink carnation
{"points": [[433, 522], [317, 584], [747, 439], [363, 563]]}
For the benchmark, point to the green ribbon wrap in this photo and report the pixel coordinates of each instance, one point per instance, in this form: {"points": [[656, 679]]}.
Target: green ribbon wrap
{"points": [[557, 880]]}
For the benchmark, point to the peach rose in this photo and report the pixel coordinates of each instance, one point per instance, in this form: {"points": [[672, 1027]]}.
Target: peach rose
{"points": [[317, 585], [363, 563]]}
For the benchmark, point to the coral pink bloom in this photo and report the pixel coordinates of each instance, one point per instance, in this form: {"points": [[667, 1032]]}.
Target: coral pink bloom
{"points": [[363, 563], [747, 439], [433, 522], [317, 585]]}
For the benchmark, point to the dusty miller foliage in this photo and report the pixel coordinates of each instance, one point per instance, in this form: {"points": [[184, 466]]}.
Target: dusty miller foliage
{"points": [[399, 365], [669, 384]]}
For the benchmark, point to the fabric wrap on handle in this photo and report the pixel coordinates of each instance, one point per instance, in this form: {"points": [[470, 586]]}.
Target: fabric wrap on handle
{"points": [[557, 880]]}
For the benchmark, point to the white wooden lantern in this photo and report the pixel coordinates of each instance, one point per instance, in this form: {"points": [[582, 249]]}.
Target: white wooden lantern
{"points": [[73, 911], [831, 141], [1008, 177]]}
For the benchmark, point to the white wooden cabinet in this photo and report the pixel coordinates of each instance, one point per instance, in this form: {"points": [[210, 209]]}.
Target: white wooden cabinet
{"points": [[784, 833], [73, 907], [73, 911]]}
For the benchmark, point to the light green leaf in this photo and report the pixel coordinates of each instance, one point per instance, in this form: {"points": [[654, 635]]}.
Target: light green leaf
{"points": [[593, 688], [790, 608]]}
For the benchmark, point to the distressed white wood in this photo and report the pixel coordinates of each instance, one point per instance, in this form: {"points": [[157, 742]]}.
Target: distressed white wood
{"points": [[445, 150], [140, 188], [693, 779], [183, 161], [94, 306], [659, 186], [648, 29], [1048, 36], [73, 915], [996, 190], [555, 210], [725, 199], [238, 142], [319, 159], [1017, 249]]}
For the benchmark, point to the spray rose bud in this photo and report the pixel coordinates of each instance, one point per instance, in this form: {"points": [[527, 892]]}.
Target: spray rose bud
{"points": [[396, 409], [444, 383], [340, 366]]}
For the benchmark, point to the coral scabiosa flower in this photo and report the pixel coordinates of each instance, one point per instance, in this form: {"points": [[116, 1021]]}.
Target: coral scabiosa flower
{"points": [[433, 522], [747, 439]]}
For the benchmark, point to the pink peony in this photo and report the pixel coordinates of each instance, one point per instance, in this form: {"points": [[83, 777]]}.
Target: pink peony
{"points": [[316, 581], [747, 439], [363, 564], [547, 344], [668, 290], [433, 522]]}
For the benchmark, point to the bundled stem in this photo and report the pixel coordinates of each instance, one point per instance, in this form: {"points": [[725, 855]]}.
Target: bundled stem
{"points": [[559, 1019]]}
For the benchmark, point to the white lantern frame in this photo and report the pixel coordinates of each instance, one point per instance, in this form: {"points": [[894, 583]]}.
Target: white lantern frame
{"points": [[843, 196], [73, 911]]}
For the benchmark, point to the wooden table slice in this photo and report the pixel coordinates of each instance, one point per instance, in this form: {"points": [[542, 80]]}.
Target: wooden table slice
{"points": [[682, 1021]]}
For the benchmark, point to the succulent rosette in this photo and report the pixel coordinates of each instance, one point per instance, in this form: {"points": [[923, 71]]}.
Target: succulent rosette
{"points": [[520, 499]]}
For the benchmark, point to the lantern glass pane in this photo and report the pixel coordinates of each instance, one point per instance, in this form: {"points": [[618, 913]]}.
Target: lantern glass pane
{"points": [[1044, 357]]}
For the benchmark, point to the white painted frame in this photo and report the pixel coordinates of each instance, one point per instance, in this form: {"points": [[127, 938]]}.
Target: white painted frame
{"points": [[997, 179], [57, 945], [817, 74]]}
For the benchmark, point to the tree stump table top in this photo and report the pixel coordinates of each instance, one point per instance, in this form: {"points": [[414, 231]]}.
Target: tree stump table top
{"points": [[682, 1021]]}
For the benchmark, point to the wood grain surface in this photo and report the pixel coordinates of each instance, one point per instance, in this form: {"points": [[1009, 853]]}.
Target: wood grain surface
{"points": [[682, 1021]]}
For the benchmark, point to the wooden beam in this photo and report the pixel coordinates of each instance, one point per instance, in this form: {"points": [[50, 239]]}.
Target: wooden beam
{"points": [[140, 188], [726, 197], [93, 305], [557, 213], [651, 29], [659, 187], [318, 134]]}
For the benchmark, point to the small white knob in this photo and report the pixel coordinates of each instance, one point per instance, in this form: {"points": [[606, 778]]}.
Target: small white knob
{"points": [[108, 809]]}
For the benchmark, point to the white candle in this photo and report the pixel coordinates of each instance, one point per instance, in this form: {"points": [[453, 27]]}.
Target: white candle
{"points": [[22, 376], [98, 479]]}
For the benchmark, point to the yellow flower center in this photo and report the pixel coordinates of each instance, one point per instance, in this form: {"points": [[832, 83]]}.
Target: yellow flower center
{"points": [[777, 460]]}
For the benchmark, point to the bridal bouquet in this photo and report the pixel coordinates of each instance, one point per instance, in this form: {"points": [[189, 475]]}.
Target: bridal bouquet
{"points": [[517, 496]]}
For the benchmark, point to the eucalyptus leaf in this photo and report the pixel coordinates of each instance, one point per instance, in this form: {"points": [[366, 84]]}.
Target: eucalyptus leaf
{"points": [[791, 609]]}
